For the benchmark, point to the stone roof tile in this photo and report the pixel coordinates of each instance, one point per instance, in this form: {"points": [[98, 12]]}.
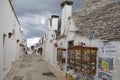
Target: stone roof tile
{"points": [[103, 21]]}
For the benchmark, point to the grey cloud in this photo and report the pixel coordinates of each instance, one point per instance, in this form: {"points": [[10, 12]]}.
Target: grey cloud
{"points": [[27, 10], [32, 30], [36, 6], [40, 6]]}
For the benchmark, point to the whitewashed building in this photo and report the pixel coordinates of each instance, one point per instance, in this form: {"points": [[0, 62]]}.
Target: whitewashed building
{"points": [[12, 41], [97, 25], [49, 40]]}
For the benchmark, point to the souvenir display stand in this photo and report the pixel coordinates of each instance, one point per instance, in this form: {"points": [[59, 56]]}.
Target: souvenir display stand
{"points": [[83, 59]]}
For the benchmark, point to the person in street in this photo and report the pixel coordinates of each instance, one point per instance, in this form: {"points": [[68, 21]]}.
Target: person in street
{"points": [[35, 51], [41, 51], [38, 51]]}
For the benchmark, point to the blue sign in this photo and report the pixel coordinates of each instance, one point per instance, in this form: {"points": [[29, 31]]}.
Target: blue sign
{"points": [[91, 36]]}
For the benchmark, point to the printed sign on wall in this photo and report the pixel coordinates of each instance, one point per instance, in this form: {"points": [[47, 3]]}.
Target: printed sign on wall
{"points": [[105, 68], [108, 49]]}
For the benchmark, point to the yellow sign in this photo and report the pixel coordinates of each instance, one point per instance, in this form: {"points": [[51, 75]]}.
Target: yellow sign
{"points": [[105, 66]]}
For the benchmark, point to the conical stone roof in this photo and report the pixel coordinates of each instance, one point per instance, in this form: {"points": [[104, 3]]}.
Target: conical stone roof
{"points": [[103, 20]]}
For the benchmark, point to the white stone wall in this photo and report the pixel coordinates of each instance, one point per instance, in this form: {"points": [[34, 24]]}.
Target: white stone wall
{"points": [[49, 52], [49, 49], [1, 56], [62, 43], [54, 23], [116, 64], [10, 50], [66, 12]]}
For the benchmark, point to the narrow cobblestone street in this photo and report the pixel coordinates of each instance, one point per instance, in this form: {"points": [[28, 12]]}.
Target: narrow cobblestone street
{"points": [[33, 67]]}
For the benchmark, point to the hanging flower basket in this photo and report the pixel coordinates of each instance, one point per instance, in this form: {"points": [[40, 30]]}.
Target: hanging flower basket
{"points": [[10, 34], [56, 45], [17, 41], [21, 45]]}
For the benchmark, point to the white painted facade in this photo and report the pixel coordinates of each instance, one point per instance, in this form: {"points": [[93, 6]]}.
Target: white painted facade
{"points": [[49, 49], [10, 49], [68, 31], [54, 23], [66, 12]]}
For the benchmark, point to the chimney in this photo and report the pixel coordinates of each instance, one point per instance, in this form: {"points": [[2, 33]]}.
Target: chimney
{"points": [[66, 12], [54, 21]]}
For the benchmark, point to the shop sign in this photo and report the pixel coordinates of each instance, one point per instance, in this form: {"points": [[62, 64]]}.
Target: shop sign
{"points": [[91, 36], [105, 68], [108, 49]]}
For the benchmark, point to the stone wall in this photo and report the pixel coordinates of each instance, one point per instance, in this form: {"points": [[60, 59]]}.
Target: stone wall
{"points": [[104, 21]]}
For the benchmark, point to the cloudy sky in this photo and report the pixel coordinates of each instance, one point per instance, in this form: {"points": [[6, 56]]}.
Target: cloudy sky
{"points": [[33, 15]]}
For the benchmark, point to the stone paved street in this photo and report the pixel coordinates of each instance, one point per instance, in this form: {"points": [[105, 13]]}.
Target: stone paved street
{"points": [[33, 67]]}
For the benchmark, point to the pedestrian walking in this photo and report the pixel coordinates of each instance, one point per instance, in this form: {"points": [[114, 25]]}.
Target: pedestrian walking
{"points": [[41, 51]]}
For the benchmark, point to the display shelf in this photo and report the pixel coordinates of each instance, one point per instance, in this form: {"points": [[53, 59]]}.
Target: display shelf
{"points": [[84, 58]]}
